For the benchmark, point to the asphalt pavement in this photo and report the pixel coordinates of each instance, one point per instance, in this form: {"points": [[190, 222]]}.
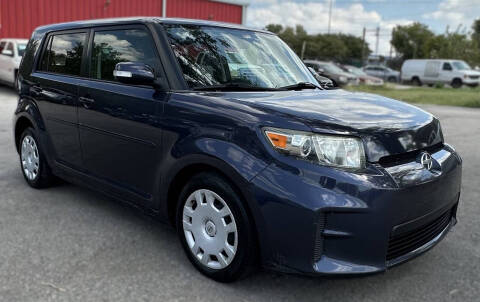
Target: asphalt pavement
{"points": [[68, 243]]}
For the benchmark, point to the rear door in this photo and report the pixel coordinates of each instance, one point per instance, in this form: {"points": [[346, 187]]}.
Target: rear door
{"points": [[118, 123], [55, 90]]}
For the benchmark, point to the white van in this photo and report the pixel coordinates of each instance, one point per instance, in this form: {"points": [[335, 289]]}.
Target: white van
{"points": [[453, 72], [11, 52]]}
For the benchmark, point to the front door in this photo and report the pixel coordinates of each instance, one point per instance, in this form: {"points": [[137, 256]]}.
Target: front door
{"points": [[118, 123]]}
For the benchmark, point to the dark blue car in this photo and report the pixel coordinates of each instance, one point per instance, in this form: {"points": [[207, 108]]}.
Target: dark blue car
{"points": [[224, 133]]}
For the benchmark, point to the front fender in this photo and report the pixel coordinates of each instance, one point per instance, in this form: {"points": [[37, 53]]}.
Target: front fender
{"points": [[234, 162]]}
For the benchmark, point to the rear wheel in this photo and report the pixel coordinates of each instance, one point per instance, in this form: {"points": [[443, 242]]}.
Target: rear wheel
{"points": [[34, 166], [416, 81], [214, 228], [456, 83]]}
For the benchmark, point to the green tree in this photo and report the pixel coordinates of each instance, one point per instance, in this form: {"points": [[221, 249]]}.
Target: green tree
{"points": [[411, 40], [338, 47]]}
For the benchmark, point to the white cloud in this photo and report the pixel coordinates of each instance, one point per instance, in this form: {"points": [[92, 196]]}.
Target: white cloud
{"points": [[314, 18], [456, 12]]}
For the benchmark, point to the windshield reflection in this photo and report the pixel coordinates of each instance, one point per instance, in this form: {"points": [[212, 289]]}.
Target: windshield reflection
{"points": [[211, 56]]}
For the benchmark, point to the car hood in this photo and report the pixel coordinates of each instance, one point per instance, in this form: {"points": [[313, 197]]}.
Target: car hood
{"points": [[368, 77], [472, 72], [387, 127]]}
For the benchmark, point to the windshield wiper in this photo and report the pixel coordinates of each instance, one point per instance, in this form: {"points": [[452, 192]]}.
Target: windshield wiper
{"points": [[300, 86], [235, 87]]}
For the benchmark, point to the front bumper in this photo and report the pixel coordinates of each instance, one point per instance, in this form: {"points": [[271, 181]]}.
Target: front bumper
{"points": [[319, 220]]}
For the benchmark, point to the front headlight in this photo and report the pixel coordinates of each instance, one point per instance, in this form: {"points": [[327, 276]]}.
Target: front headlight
{"points": [[328, 150]]}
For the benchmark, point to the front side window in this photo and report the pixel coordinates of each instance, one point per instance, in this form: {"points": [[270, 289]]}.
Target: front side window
{"points": [[2, 45], [447, 66], [63, 54], [210, 56], [116, 46]]}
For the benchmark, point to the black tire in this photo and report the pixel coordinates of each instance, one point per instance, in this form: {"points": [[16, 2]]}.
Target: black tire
{"points": [[44, 177], [416, 81], [392, 79], [245, 257], [456, 83]]}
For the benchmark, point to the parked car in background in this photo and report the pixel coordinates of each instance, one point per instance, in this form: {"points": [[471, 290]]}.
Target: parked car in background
{"points": [[333, 72], [382, 72], [363, 78], [11, 52], [452, 72], [324, 82]]}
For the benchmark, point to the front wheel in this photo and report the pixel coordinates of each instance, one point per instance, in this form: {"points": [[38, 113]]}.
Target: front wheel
{"points": [[457, 83], [215, 229]]}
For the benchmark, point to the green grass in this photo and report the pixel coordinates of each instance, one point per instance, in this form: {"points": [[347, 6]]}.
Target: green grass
{"points": [[466, 97]]}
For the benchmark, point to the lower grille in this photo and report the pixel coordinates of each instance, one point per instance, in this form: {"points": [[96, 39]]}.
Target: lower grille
{"points": [[318, 247], [402, 244]]}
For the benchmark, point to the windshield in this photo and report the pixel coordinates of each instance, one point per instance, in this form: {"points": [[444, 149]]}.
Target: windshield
{"points": [[21, 49], [460, 65], [212, 56]]}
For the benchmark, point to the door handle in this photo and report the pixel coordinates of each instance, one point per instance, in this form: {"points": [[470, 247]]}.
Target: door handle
{"points": [[86, 102], [36, 90]]}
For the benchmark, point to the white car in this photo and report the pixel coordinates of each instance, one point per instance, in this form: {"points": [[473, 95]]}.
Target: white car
{"points": [[11, 52], [453, 72]]}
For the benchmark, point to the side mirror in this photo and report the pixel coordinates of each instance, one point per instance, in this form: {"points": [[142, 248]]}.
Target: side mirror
{"points": [[321, 70], [134, 73], [7, 52]]}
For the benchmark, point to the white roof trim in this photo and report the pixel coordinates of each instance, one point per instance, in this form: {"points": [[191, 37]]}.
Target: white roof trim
{"points": [[235, 2]]}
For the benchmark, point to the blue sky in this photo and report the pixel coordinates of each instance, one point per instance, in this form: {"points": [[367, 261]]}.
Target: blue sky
{"points": [[350, 16]]}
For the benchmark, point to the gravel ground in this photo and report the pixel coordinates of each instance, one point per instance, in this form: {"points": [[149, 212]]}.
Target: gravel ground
{"points": [[71, 244]]}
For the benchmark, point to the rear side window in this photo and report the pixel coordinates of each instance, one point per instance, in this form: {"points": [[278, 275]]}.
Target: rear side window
{"points": [[63, 54], [447, 66], [114, 46]]}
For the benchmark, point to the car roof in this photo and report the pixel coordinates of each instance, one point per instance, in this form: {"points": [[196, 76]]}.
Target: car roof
{"points": [[14, 40], [132, 20]]}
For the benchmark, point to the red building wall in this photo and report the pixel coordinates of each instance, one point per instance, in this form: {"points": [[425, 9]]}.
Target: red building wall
{"points": [[18, 18], [206, 10]]}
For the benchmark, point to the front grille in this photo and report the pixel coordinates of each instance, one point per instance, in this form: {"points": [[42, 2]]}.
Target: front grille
{"points": [[474, 77], [402, 244], [398, 159]]}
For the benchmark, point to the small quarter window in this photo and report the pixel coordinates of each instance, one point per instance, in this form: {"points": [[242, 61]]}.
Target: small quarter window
{"points": [[115, 46], [63, 54]]}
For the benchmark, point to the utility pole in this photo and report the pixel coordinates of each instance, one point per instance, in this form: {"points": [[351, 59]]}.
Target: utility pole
{"points": [[363, 45], [377, 34], [330, 16], [391, 46], [304, 45]]}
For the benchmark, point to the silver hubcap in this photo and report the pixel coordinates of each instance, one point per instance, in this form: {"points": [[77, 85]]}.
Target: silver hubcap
{"points": [[210, 229], [30, 157]]}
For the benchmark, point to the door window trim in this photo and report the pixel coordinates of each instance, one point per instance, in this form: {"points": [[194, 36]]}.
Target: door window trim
{"points": [[47, 42], [159, 72]]}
